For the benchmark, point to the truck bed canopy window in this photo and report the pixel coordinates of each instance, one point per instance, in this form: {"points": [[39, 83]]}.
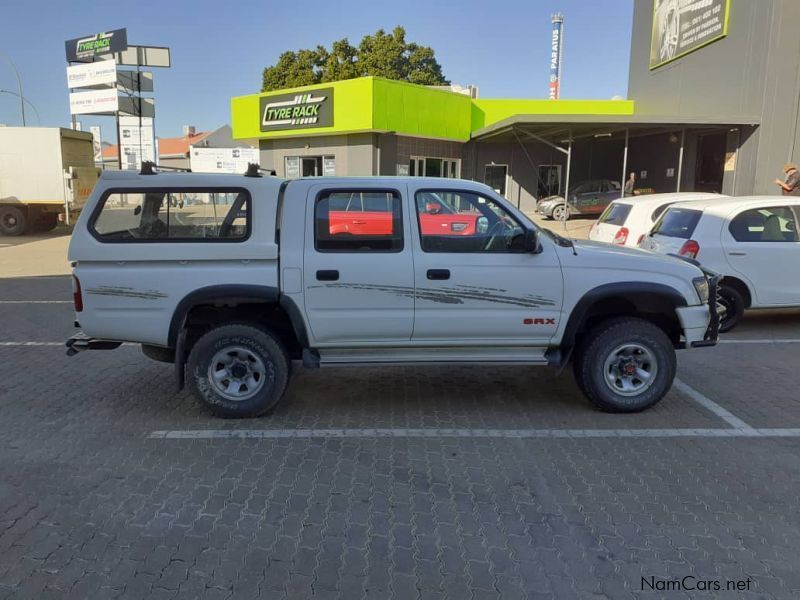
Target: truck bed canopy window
{"points": [[173, 215]]}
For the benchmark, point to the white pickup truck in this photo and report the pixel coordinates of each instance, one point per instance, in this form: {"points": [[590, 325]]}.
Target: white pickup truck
{"points": [[233, 277]]}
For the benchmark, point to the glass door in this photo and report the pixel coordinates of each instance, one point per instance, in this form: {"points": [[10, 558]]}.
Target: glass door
{"points": [[311, 166], [495, 177]]}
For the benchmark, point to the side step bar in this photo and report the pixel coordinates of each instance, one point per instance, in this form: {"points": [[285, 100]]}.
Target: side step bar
{"points": [[80, 342], [425, 356]]}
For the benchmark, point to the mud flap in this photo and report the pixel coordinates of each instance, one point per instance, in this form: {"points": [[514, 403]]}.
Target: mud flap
{"points": [[180, 360]]}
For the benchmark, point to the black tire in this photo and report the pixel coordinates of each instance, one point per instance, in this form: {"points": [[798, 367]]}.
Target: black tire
{"points": [[733, 302], [13, 221], [253, 342], [159, 354], [601, 343]]}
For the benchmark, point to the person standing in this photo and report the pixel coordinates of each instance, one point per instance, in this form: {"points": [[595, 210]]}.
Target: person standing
{"points": [[791, 185], [630, 184]]}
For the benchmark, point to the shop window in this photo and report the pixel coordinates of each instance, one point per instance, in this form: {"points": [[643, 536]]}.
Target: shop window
{"points": [[309, 166], [433, 167], [358, 221], [173, 215]]}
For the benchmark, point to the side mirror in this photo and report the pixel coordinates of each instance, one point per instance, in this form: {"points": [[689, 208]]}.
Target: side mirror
{"points": [[531, 241], [432, 208]]}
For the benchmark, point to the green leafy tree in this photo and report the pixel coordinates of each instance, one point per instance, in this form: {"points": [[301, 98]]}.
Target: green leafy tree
{"points": [[341, 62], [381, 54], [295, 69]]}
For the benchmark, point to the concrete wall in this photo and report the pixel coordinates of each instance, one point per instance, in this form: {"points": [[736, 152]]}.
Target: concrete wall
{"points": [[752, 74], [355, 154]]}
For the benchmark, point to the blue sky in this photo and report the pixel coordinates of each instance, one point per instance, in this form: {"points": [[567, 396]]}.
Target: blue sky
{"points": [[220, 48]]}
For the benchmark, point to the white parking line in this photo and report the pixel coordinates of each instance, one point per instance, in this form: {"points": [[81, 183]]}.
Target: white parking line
{"points": [[62, 344], [765, 341], [711, 406], [31, 343], [212, 434], [35, 301]]}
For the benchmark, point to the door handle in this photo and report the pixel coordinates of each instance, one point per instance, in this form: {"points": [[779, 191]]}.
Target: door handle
{"points": [[438, 274], [737, 253], [328, 275], [359, 222]]}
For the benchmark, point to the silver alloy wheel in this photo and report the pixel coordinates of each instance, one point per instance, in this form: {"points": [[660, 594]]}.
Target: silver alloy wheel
{"points": [[560, 213], [236, 373], [630, 369]]}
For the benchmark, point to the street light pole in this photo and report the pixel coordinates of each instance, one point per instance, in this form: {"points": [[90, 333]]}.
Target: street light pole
{"points": [[28, 102], [19, 85]]}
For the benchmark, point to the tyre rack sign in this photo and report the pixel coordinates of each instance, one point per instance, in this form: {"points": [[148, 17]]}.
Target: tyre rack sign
{"points": [[683, 26], [85, 49], [297, 111]]}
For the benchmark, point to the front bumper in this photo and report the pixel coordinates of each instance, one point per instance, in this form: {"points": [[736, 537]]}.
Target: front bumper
{"points": [[700, 323], [80, 342]]}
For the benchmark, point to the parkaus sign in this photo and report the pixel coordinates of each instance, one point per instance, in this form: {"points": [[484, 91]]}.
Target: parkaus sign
{"points": [[297, 110]]}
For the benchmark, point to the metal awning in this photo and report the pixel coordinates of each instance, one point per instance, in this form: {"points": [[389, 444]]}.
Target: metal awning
{"points": [[560, 131], [552, 126]]}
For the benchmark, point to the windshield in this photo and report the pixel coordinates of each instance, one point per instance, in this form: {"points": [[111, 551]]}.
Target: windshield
{"points": [[678, 223], [615, 214]]}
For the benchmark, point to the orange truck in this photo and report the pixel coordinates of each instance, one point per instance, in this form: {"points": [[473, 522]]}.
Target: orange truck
{"points": [[46, 176]]}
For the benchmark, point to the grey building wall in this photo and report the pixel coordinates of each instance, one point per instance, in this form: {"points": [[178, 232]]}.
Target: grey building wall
{"points": [[222, 138], [355, 154], [753, 74]]}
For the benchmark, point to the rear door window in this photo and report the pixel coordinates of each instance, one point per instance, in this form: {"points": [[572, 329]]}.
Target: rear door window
{"points": [[615, 214], [775, 224], [358, 221], [678, 223]]}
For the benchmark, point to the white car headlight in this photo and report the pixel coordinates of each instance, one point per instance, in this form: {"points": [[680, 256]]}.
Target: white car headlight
{"points": [[701, 286]]}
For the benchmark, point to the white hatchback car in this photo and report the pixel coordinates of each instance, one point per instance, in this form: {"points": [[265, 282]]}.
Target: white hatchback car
{"points": [[752, 241], [626, 221]]}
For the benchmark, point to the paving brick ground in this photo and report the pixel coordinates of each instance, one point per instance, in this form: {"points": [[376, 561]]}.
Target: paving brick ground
{"points": [[92, 507]]}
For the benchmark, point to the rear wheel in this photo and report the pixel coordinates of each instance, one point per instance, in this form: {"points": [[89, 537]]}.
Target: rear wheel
{"points": [[733, 305], [238, 370], [625, 365], [13, 221]]}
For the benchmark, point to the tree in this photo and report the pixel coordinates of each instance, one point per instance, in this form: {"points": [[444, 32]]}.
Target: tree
{"points": [[381, 54], [295, 69], [341, 62]]}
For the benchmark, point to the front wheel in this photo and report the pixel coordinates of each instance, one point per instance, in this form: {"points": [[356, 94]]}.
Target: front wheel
{"points": [[561, 213], [625, 365], [238, 370]]}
